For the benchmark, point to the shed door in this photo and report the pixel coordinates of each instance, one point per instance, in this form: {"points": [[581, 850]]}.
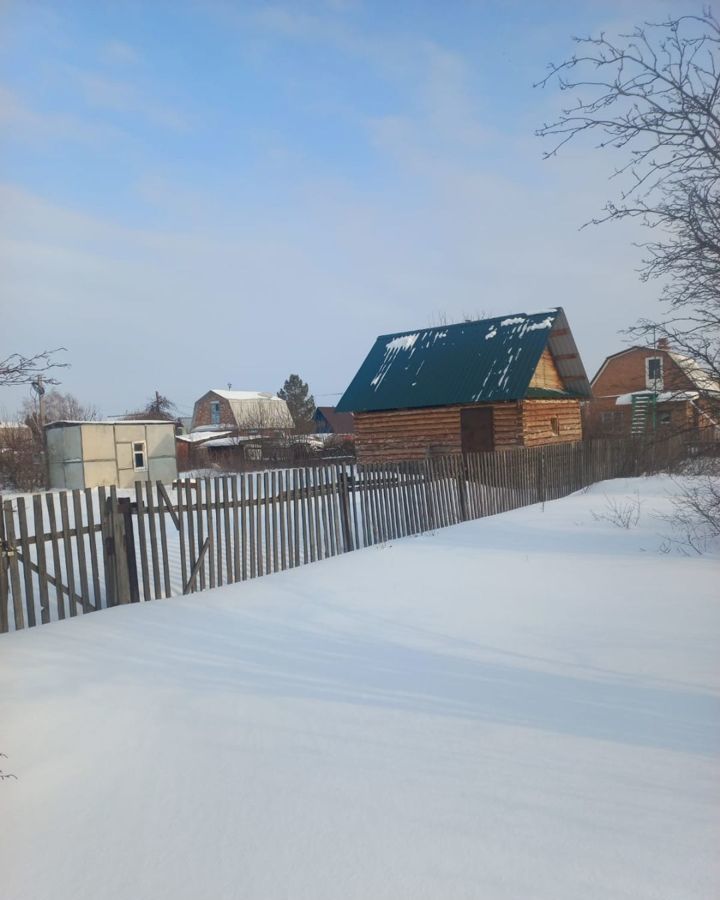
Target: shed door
{"points": [[477, 429]]}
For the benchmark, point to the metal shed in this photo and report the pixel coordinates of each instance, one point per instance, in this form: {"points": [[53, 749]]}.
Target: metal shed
{"points": [[90, 454]]}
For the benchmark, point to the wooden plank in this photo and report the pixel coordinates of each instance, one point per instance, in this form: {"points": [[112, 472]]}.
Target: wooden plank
{"points": [[229, 569], [375, 514], [251, 525], [141, 516], [181, 533], [57, 568], [4, 581], [293, 521], [305, 515], [237, 510], [80, 548], [92, 542], [348, 538], [324, 532], [41, 559], [14, 574], [190, 526], [361, 487], [349, 488], [282, 516], [219, 538], [274, 491], [336, 512], [314, 516], [27, 571], [163, 506], [267, 522], [200, 528], [241, 518], [260, 544], [162, 492], [391, 479], [210, 532], [152, 533], [190, 586], [67, 547]]}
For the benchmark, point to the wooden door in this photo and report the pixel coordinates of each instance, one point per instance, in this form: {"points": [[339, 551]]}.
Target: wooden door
{"points": [[476, 426]]}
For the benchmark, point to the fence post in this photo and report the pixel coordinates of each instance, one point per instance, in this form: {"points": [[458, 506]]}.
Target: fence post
{"points": [[462, 488], [344, 495], [121, 581]]}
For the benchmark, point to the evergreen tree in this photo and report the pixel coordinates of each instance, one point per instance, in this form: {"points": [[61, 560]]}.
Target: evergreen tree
{"points": [[301, 403]]}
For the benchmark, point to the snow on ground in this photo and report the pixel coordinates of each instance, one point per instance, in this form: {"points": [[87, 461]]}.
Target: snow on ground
{"points": [[525, 706]]}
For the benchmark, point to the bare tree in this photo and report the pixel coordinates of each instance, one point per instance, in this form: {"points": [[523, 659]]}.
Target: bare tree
{"points": [[157, 407], [18, 369], [653, 98], [57, 407]]}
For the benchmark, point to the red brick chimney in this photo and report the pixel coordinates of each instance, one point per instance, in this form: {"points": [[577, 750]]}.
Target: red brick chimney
{"points": [[663, 344]]}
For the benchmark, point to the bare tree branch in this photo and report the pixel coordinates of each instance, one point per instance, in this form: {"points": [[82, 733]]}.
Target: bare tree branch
{"points": [[18, 369]]}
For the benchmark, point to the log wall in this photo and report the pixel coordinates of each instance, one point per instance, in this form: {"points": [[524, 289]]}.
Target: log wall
{"points": [[537, 416], [419, 433]]}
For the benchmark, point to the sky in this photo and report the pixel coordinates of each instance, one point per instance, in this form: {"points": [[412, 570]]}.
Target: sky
{"points": [[197, 194]]}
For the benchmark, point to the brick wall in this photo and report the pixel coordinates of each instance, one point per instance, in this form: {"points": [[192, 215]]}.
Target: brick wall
{"points": [[625, 374], [202, 414]]}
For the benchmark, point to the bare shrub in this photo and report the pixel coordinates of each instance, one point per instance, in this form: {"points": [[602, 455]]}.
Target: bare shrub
{"points": [[696, 512], [22, 460], [623, 513]]}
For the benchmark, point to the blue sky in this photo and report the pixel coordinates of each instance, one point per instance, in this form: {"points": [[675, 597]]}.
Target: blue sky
{"points": [[197, 193]]}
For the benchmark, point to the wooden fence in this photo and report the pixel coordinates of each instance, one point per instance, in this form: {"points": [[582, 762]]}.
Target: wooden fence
{"points": [[71, 552]]}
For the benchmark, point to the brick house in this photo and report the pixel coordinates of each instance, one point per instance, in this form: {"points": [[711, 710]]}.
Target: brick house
{"points": [[241, 412], [645, 390], [494, 384]]}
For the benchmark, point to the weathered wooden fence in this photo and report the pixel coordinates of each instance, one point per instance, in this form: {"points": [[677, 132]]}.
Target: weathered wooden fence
{"points": [[65, 553]]}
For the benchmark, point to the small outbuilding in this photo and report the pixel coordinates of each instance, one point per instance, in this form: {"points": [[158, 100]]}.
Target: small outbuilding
{"points": [[493, 384], [91, 454]]}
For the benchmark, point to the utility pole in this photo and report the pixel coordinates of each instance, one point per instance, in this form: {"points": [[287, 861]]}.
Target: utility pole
{"points": [[39, 387]]}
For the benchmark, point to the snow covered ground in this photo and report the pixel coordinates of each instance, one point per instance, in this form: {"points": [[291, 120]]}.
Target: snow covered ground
{"points": [[524, 706]]}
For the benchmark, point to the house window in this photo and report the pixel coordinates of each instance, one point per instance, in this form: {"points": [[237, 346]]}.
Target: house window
{"points": [[664, 418], [555, 425], [653, 373], [215, 412], [139, 456], [611, 420]]}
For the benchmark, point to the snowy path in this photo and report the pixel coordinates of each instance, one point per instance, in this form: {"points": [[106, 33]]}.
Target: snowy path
{"points": [[524, 706]]}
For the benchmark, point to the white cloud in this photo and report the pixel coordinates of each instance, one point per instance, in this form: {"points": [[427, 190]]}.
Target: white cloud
{"points": [[120, 53]]}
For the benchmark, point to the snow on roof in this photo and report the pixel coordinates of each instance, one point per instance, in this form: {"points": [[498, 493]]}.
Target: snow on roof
{"points": [[702, 380], [243, 395], [61, 422], [205, 434], [663, 397]]}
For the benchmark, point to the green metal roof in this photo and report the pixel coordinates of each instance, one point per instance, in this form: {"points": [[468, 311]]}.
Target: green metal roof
{"points": [[473, 362]]}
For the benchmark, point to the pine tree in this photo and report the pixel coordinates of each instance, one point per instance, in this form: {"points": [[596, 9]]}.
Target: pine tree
{"points": [[301, 403]]}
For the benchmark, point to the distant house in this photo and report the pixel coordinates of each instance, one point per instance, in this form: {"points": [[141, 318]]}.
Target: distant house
{"points": [[242, 412], [511, 381], [644, 390], [329, 421], [91, 454]]}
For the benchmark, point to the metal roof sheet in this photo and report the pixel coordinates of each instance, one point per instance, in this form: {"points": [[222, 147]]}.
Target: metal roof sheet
{"points": [[492, 360]]}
